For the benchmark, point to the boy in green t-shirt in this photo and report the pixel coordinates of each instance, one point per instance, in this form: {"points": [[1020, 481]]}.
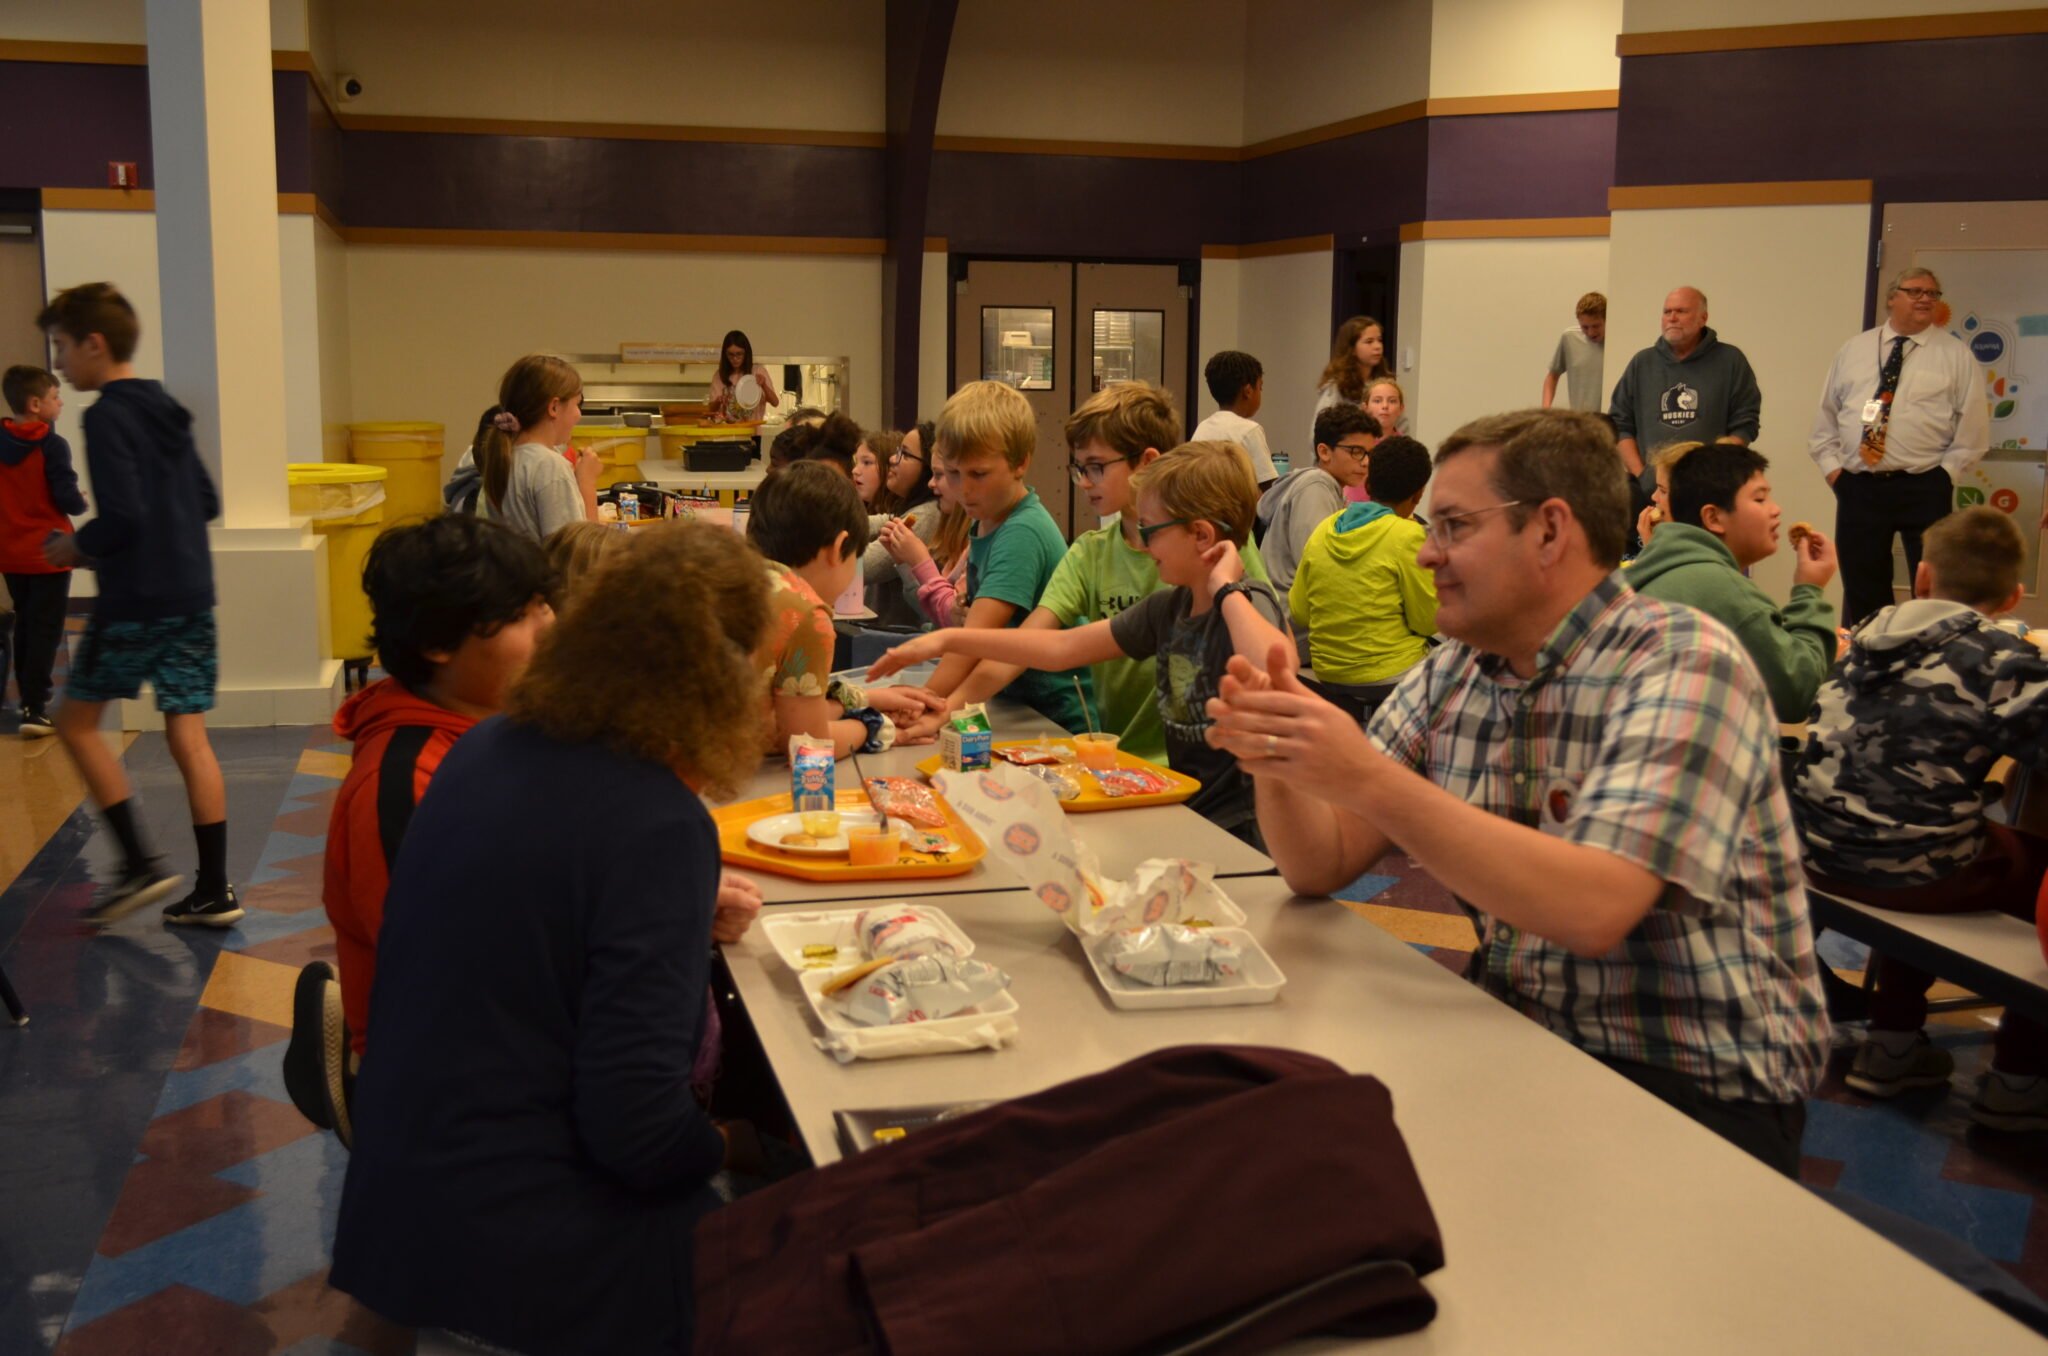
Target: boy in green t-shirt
{"points": [[1114, 434], [985, 435]]}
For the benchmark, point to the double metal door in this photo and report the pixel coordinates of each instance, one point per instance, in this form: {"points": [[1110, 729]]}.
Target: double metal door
{"points": [[1059, 332]]}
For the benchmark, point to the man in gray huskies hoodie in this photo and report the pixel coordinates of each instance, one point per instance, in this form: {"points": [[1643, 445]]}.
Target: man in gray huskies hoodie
{"points": [[1687, 387]]}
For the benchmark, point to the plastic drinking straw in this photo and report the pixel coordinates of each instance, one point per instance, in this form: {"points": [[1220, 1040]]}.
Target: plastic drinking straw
{"points": [[1085, 713]]}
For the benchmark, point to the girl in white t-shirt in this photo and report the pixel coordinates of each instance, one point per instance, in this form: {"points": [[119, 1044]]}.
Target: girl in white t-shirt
{"points": [[528, 484], [736, 362]]}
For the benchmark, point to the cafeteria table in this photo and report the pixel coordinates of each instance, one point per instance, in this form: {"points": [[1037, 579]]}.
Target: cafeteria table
{"points": [[1579, 1214]]}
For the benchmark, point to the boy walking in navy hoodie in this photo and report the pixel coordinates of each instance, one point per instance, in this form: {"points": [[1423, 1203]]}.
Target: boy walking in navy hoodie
{"points": [[38, 488], [153, 621]]}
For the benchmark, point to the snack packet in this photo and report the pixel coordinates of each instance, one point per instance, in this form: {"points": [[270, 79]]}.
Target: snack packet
{"points": [[928, 841], [920, 989], [907, 799], [966, 739], [1128, 781], [1169, 954], [898, 930], [810, 772], [1033, 755]]}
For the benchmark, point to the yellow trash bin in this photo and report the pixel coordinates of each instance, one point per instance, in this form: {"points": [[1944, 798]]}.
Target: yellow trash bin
{"points": [[621, 448], [346, 504], [412, 453]]}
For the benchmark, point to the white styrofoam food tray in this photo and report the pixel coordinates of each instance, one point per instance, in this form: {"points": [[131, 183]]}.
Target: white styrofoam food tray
{"points": [[1258, 980], [790, 933], [988, 1025]]}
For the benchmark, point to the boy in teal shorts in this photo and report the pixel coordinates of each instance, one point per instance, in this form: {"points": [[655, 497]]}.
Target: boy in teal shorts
{"points": [[153, 620]]}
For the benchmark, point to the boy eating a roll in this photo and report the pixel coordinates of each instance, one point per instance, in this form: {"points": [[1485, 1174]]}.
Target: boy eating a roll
{"points": [[1723, 521]]}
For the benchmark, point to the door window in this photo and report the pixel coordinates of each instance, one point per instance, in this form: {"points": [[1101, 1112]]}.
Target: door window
{"points": [[1129, 346], [1017, 346]]}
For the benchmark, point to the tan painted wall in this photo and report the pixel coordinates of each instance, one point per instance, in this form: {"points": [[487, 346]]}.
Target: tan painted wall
{"points": [[122, 21], [812, 64], [431, 330], [1284, 321], [1490, 313], [1310, 62], [337, 397], [1138, 70], [1490, 47]]}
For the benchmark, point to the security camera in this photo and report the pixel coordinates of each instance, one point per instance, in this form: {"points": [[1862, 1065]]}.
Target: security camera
{"points": [[349, 87]]}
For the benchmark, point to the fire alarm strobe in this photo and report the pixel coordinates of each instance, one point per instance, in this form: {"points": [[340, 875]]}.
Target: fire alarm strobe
{"points": [[121, 174]]}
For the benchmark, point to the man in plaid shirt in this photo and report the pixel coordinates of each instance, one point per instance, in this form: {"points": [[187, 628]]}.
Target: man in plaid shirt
{"points": [[1594, 774]]}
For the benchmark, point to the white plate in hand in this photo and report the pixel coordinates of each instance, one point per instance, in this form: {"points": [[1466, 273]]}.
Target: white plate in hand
{"points": [[790, 933], [1258, 980], [769, 833]]}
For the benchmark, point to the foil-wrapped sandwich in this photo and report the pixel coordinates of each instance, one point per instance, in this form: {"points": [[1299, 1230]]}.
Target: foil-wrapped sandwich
{"points": [[1168, 954]]}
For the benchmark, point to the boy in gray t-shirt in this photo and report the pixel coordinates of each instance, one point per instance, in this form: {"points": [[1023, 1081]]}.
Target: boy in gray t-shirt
{"points": [[1581, 358]]}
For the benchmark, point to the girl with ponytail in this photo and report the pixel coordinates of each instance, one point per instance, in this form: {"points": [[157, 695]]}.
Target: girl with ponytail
{"points": [[527, 483]]}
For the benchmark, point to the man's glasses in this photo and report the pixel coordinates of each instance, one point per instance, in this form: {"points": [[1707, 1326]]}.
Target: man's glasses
{"points": [[1922, 293], [1448, 529]]}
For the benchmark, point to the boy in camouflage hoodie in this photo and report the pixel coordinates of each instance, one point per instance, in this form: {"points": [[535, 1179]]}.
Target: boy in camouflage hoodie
{"points": [[1891, 794]]}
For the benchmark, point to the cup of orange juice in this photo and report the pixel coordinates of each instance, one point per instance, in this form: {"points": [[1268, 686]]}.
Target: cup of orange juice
{"points": [[1097, 751], [872, 844]]}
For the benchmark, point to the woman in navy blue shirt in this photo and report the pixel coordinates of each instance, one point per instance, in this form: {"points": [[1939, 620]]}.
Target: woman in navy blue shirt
{"points": [[529, 1162]]}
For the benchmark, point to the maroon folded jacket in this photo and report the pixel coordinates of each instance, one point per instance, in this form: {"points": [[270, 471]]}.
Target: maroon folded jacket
{"points": [[1194, 1191]]}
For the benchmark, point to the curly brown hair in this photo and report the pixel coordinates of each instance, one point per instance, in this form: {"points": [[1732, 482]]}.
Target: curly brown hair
{"points": [[656, 658]]}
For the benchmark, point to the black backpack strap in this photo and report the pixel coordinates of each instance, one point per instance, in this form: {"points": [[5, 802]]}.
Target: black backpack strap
{"points": [[394, 787]]}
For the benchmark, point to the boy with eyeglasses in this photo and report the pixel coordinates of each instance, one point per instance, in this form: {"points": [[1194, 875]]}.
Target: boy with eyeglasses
{"points": [[1300, 501], [1115, 434]]}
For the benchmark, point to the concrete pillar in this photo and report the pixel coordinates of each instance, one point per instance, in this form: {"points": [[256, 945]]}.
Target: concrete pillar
{"points": [[213, 136]]}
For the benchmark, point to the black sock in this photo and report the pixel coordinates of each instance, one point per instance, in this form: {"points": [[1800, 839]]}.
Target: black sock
{"points": [[213, 859], [120, 818]]}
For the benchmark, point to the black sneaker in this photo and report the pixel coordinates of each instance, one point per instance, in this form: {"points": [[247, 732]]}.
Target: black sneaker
{"points": [[220, 911], [35, 723], [316, 1061], [138, 887]]}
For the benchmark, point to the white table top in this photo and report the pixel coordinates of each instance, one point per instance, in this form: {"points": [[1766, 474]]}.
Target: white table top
{"points": [[1579, 1213], [673, 475]]}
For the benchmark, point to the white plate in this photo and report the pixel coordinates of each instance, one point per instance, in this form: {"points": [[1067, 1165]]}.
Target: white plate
{"points": [[1258, 980], [790, 933], [746, 392], [768, 833]]}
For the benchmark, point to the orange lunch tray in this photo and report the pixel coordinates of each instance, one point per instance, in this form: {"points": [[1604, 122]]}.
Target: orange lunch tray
{"points": [[735, 849], [1091, 797]]}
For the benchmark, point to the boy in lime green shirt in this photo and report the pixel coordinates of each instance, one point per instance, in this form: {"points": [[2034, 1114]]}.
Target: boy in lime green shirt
{"points": [[1114, 434], [1369, 608]]}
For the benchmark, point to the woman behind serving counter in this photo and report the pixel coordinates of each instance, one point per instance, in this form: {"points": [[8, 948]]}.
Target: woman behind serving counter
{"points": [[735, 363]]}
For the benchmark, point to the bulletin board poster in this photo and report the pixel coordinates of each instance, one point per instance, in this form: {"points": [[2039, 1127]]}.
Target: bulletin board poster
{"points": [[1998, 307]]}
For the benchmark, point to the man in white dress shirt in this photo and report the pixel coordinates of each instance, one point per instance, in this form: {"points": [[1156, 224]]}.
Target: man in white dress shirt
{"points": [[1902, 418]]}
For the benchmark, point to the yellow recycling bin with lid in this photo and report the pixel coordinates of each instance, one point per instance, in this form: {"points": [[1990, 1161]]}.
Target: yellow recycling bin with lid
{"points": [[411, 452], [621, 450], [346, 504]]}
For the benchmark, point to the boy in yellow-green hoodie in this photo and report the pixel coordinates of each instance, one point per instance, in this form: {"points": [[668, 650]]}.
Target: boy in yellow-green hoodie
{"points": [[1369, 608]]}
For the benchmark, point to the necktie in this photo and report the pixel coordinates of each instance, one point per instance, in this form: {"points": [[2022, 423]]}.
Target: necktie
{"points": [[1872, 450]]}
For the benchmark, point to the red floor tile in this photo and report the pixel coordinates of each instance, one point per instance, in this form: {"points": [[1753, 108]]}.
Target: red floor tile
{"points": [[216, 1134], [179, 1319], [161, 1198], [215, 1036]]}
